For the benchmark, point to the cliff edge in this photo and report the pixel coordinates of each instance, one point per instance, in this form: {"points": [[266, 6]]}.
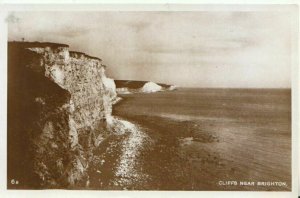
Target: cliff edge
{"points": [[59, 102]]}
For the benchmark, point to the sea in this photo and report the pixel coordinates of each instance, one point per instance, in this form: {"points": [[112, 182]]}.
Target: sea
{"points": [[203, 139]]}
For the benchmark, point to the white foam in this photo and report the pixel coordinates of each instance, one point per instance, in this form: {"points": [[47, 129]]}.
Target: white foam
{"points": [[186, 141], [181, 117], [123, 90]]}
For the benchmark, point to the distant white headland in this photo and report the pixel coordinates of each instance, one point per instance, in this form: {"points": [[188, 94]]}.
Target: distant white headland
{"points": [[129, 86]]}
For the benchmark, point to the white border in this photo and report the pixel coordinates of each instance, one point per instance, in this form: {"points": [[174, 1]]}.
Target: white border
{"points": [[177, 5]]}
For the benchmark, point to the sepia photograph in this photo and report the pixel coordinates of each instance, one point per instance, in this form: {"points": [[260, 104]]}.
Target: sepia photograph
{"points": [[171, 100]]}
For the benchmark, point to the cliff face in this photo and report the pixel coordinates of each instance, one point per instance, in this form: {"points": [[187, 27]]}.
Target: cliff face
{"points": [[58, 104]]}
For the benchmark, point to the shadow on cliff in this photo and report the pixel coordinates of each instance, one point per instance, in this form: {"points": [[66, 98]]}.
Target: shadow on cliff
{"points": [[28, 92]]}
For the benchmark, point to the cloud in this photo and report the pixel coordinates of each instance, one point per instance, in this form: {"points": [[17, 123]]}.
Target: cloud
{"points": [[199, 48], [137, 25], [207, 46], [12, 18], [71, 31]]}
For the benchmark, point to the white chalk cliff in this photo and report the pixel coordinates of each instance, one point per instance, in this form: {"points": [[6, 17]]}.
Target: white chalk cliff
{"points": [[150, 87], [67, 100]]}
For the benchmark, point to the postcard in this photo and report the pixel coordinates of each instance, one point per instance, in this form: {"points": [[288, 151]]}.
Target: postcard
{"points": [[176, 98]]}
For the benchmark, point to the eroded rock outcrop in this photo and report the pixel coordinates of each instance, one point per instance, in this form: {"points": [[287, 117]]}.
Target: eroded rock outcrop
{"points": [[59, 102]]}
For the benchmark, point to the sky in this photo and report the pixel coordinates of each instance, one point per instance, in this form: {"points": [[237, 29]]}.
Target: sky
{"points": [[229, 49]]}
